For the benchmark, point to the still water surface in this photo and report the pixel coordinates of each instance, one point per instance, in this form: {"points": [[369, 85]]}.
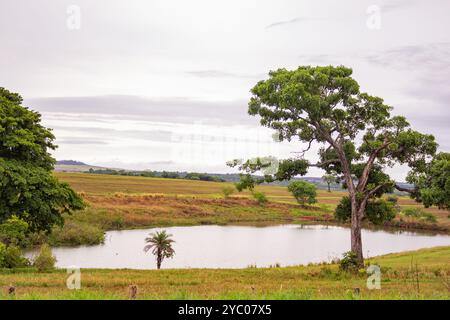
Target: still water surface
{"points": [[240, 246]]}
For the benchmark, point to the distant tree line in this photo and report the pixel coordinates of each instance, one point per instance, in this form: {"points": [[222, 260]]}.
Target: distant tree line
{"points": [[160, 174]]}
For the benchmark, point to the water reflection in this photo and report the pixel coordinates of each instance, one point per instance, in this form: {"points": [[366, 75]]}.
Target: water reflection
{"points": [[241, 246]]}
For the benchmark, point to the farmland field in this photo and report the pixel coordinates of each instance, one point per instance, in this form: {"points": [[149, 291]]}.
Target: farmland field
{"points": [[120, 202]]}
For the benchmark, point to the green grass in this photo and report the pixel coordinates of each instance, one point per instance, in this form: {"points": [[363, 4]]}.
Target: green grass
{"points": [[320, 281]]}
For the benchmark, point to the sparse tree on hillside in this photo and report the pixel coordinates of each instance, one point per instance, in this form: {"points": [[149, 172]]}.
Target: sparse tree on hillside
{"points": [[360, 137], [304, 192], [161, 245], [329, 179], [228, 191]]}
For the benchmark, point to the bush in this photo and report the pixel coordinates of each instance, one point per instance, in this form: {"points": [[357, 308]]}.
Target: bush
{"points": [[14, 231], [304, 192], [392, 199], [76, 233], [349, 262], [227, 192], [412, 212], [2, 255], [45, 261], [260, 197], [377, 211], [12, 257], [417, 213]]}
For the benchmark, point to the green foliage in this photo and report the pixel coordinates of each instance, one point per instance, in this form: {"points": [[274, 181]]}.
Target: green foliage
{"points": [[377, 211], [14, 258], [160, 243], [272, 169], [260, 197], [202, 177], [304, 192], [412, 212], [34, 195], [329, 179], [2, 255], [432, 182], [13, 231], [325, 105], [45, 261], [22, 137], [417, 213], [28, 189], [349, 262], [170, 175], [76, 233], [392, 199], [227, 192]]}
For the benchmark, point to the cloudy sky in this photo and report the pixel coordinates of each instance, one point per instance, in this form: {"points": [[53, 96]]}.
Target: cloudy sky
{"points": [[164, 84]]}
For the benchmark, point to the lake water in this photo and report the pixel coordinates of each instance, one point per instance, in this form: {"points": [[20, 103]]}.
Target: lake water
{"points": [[240, 246]]}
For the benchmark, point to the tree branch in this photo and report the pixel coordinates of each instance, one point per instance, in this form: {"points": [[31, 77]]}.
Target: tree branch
{"points": [[410, 191], [321, 164], [365, 174]]}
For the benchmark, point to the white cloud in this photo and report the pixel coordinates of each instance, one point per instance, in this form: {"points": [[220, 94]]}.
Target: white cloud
{"points": [[137, 73]]}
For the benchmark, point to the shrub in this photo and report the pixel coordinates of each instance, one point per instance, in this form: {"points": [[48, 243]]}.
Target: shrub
{"points": [[45, 261], [13, 231], [2, 255], [14, 258], [76, 233], [349, 262], [304, 192], [412, 212], [11, 257], [377, 211], [117, 223], [417, 213], [392, 199], [429, 217], [227, 192], [260, 197]]}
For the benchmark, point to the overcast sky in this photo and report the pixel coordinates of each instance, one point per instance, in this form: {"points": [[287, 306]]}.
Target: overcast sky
{"points": [[164, 84]]}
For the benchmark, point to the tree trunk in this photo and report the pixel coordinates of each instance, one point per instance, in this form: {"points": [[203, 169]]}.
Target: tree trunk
{"points": [[329, 190], [356, 240], [158, 260]]}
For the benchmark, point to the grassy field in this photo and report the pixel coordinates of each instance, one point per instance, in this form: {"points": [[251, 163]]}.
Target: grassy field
{"points": [[422, 274], [121, 202]]}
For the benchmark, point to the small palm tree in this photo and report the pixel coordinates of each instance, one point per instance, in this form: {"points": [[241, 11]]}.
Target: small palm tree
{"points": [[161, 246]]}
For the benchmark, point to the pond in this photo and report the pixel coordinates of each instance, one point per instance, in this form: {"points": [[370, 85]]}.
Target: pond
{"points": [[240, 246]]}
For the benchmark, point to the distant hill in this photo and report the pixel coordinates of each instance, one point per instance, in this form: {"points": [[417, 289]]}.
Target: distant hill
{"points": [[74, 166], [78, 166], [70, 163]]}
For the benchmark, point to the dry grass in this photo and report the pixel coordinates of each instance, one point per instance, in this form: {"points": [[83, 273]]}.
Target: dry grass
{"points": [[141, 202], [303, 282]]}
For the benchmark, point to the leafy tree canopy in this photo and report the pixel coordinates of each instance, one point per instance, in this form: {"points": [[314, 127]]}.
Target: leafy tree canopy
{"points": [[28, 189], [304, 192], [432, 182], [358, 136]]}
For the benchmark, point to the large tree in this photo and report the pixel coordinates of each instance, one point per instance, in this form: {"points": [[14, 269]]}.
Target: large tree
{"points": [[28, 189], [358, 135]]}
